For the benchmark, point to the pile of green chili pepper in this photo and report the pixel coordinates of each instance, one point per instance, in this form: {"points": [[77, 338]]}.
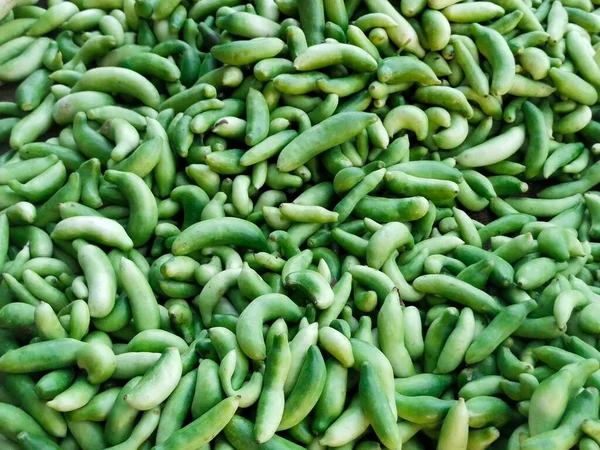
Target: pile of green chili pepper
{"points": [[255, 225]]}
